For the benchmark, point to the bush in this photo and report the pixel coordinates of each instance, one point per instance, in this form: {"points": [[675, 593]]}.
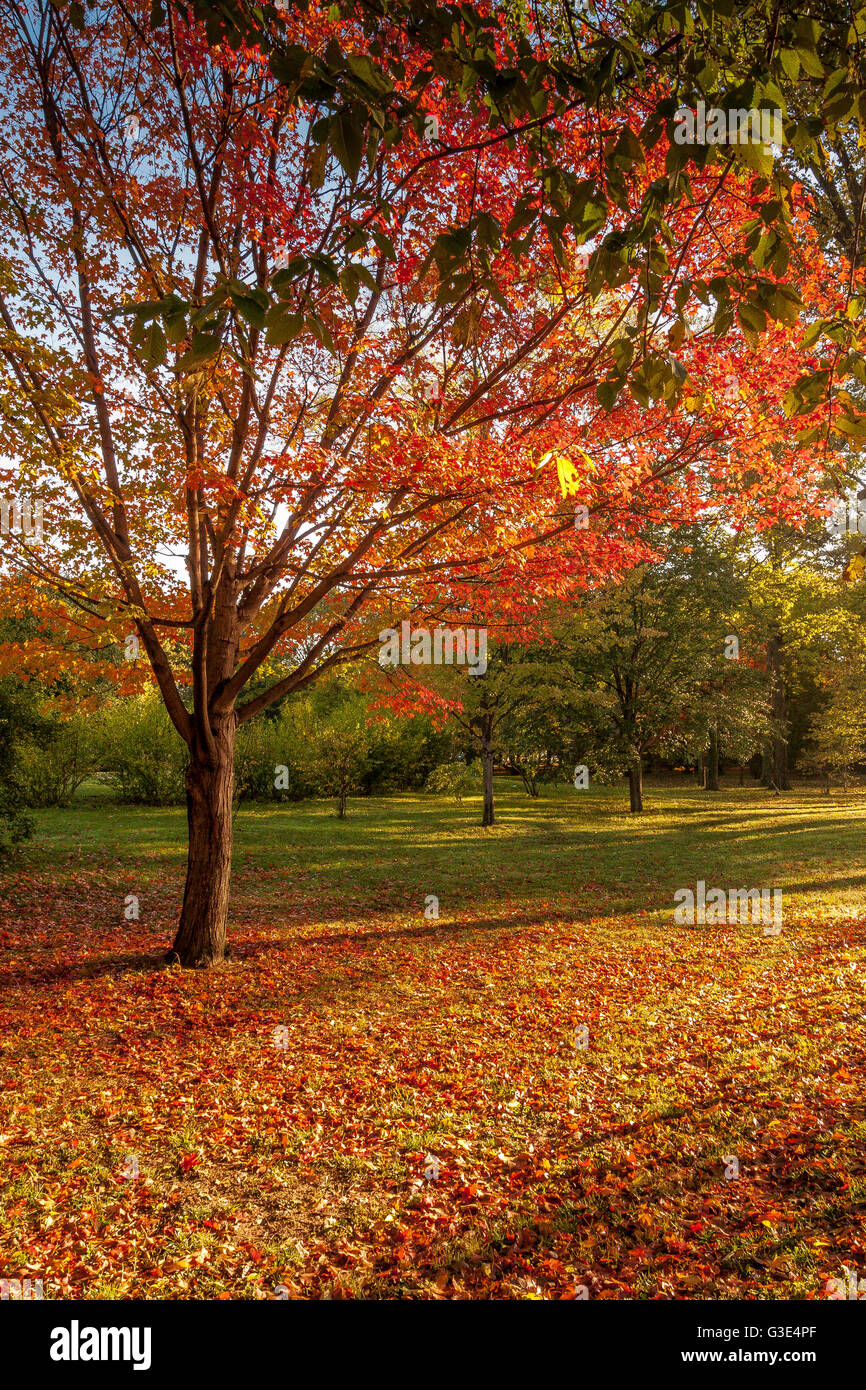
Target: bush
{"points": [[337, 753], [20, 722], [266, 744], [52, 769], [402, 753], [306, 737], [453, 779], [142, 752], [16, 822]]}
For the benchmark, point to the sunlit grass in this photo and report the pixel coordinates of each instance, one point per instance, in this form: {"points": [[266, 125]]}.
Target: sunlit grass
{"points": [[455, 1036], [584, 846]]}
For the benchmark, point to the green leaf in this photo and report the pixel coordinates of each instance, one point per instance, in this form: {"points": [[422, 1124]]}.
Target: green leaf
{"points": [[810, 62], [325, 268], [756, 156], [250, 304], [606, 393], [784, 304], [854, 426], [808, 436], [752, 318], [288, 67], [349, 283], [318, 164], [346, 138], [153, 345], [790, 63], [812, 334], [282, 325], [807, 392], [204, 346], [365, 70], [176, 328], [320, 332], [385, 244], [283, 280], [835, 82]]}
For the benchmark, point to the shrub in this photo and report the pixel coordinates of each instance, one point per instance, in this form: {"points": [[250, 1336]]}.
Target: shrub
{"points": [[337, 754], [402, 753], [52, 769], [20, 721], [142, 752], [16, 822], [453, 779], [266, 744]]}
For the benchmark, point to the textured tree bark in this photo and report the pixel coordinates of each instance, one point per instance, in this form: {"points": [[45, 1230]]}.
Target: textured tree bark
{"points": [[201, 934], [635, 787], [487, 817]]}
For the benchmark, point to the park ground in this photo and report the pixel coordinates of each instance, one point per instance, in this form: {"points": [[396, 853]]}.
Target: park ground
{"points": [[264, 1129]]}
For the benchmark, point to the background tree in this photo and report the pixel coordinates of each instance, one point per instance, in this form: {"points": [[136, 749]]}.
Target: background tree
{"points": [[839, 730], [797, 609], [476, 704], [642, 657], [337, 755]]}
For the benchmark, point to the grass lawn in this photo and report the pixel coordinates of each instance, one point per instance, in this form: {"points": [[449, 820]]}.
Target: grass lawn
{"points": [[182, 1135]]}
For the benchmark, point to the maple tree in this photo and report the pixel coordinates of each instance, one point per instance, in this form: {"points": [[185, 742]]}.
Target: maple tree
{"points": [[523, 65], [252, 460]]}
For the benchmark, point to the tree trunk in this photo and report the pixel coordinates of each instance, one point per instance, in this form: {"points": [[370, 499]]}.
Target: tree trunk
{"points": [[779, 746], [635, 787], [201, 934], [766, 770], [487, 817], [713, 762], [742, 775], [781, 780], [699, 770]]}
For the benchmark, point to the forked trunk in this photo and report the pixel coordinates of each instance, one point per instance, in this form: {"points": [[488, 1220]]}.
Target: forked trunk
{"points": [[201, 935]]}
